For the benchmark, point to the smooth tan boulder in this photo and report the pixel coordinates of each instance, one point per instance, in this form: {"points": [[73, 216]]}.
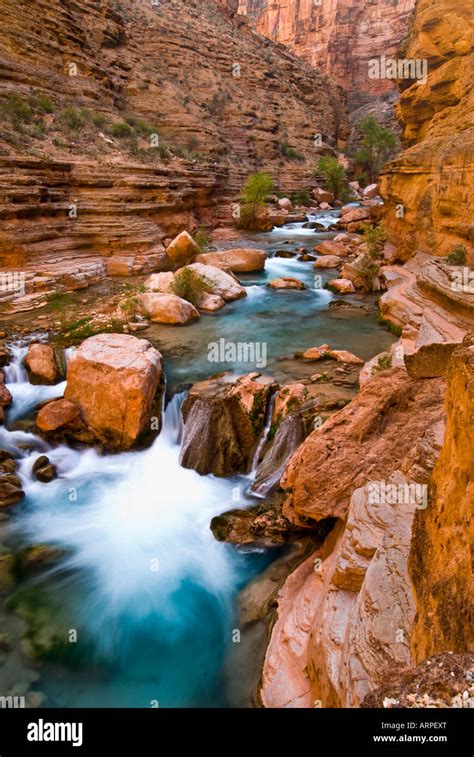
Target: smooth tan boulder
{"points": [[286, 282], [114, 380], [286, 204], [56, 415], [343, 286], [351, 215], [211, 302], [41, 365], [218, 282], [167, 308], [343, 356], [238, 261], [317, 353], [331, 248], [182, 249], [160, 282], [321, 195], [328, 261]]}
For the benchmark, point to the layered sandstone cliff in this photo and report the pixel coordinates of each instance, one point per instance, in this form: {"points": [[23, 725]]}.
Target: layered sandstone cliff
{"points": [[441, 552], [392, 584], [84, 88], [338, 37], [429, 188]]}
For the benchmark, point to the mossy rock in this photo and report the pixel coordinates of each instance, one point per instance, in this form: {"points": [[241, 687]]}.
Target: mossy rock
{"points": [[48, 628]]}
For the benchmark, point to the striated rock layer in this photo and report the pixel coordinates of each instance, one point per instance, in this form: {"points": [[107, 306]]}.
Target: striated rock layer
{"points": [[337, 37], [392, 584], [429, 188], [79, 202], [440, 558]]}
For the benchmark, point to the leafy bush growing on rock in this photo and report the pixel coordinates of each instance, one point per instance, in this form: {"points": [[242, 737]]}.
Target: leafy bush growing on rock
{"points": [[369, 266], [458, 255], [335, 177], [378, 145], [17, 110], [253, 198], [289, 152], [122, 130], [202, 238], [188, 286], [300, 197]]}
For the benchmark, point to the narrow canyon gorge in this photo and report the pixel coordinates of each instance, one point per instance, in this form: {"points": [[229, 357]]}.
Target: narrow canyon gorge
{"points": [[237, 354]]}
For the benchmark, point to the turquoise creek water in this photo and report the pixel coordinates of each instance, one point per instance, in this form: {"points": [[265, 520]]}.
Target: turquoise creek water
{"points": [[149, 592]]}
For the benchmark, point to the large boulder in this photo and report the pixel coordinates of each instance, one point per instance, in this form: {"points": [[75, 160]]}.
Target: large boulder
{"points": [[223, 419], [286, 204], [57, 415], [218, 282], [41, 364], [160, 282], [238, 261], [321, 195], [167, 308], [115, 379], [331, 248], [342, 286], [328, 261], [380, 426], [351, 215], [182, 249]]}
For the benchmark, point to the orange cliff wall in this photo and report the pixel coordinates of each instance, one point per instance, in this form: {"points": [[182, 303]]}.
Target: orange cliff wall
{"points": [[429, 188], [443, 534], [173, 67], [338, 37]]}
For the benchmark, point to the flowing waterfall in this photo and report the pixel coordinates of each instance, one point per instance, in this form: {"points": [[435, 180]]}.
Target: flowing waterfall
{"points": [[26, 396]]}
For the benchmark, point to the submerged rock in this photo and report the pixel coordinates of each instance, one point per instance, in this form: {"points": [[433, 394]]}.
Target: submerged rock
{"points": [[223, 419], [6, 398], [115, 380], [11, 491], [43, 470]]}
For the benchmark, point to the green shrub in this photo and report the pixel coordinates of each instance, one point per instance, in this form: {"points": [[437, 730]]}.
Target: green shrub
{"points": [[122, 130], [253, 197], [383, 363], [73, 118], [374, 238], [139, 126], [300, 197], [378, 145], [289, 152], [99, 120], [17, 110], [458, 255], [202, 238], [43, 104], [188, 286], [335, 177]]}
